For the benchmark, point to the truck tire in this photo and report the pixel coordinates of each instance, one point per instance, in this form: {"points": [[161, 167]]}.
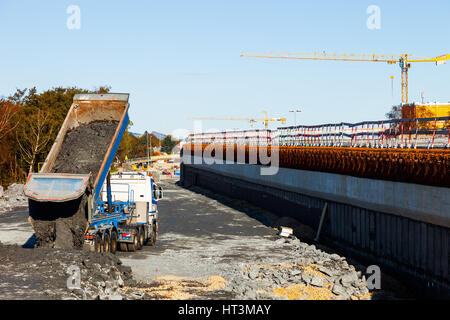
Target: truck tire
{"points": [[113, 245], [146, 233], [132, 247], [123, 246], [106, 242], [152, 239], [98, 243], [141, 237]]}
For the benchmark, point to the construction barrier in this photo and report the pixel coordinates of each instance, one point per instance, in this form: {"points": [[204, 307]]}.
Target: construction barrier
{"points": [[424, 133]]}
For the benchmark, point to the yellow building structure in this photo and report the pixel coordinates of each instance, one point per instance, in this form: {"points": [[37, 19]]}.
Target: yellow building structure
{"points": [[427, 110]]}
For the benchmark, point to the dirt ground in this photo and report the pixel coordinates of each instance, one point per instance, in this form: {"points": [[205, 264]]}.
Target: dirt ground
{"points": [[43, 274], [204, 236], [208, 247]]}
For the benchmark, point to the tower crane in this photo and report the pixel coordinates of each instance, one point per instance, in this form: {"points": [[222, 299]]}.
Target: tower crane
{"points": [[403, 60], [265, 120]]}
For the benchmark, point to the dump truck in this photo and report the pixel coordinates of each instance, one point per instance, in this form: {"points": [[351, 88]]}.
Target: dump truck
{"points": [[72, 201], [138, 192]]}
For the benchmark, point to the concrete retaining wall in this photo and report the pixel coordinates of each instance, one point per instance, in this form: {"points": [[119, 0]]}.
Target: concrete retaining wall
{"points": [[419, 202]]}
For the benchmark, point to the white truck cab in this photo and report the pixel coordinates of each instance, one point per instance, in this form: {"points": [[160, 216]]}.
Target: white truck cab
{"points": [[141, 191]]}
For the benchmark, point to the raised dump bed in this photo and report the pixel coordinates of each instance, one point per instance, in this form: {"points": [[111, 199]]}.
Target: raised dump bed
{"points": [[62, 195]]}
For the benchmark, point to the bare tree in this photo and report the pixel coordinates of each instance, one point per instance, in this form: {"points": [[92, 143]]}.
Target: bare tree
{"points": [[34, 137], [7, 123]]}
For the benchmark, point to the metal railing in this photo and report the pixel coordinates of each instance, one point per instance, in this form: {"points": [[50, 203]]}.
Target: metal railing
{"points": [[423, 133]]}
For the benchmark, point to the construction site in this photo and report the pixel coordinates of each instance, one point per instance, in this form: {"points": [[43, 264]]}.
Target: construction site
{"points": [[342, 197], [269, 211]]}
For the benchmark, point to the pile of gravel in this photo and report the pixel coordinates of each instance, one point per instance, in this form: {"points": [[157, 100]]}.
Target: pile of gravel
{"points": [[85, 147], [43, 273], [308, 273], [63, 224], [12, 197], [59, 224]]}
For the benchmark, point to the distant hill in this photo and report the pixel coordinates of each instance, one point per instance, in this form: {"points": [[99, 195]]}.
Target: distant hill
{"points": [[158, 135]]}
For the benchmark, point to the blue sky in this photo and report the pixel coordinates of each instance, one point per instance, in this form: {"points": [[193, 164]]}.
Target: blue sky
{"points": [[179, 59]]}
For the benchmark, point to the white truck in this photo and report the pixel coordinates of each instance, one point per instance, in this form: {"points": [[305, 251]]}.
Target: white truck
{"points": [[139, 189]]}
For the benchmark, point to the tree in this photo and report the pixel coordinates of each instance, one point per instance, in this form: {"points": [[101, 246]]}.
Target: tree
{"points": [[411, 112], [155, 141], [141, 144], [29, 123], [10, 169], [168, 144], [103, 89], [35, 134], [7, 118], [395, 113], [125, 146]]}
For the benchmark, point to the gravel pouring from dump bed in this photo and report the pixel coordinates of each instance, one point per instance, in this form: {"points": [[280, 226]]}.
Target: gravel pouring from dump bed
{"points": [[42, 274], [59, 225], [62, 225]]}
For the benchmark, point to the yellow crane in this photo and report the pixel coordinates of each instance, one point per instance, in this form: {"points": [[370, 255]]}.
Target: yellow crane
{"points": [[403, 60], [265, 120]]}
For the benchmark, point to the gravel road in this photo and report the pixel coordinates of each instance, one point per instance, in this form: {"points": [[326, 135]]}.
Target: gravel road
{"points": [[204, 236], [208, 247]]}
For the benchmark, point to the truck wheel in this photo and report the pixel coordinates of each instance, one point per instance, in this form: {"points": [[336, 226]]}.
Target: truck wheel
{"points": [[145, 235], [141, 237], [123, 246], [113, 245], [106, 242], [152, 239], [98, 243], [133, 246]]}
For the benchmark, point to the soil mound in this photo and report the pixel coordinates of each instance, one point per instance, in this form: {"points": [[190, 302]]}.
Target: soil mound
{"points": [[62, 225], [85, 147], [44, 273]]}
